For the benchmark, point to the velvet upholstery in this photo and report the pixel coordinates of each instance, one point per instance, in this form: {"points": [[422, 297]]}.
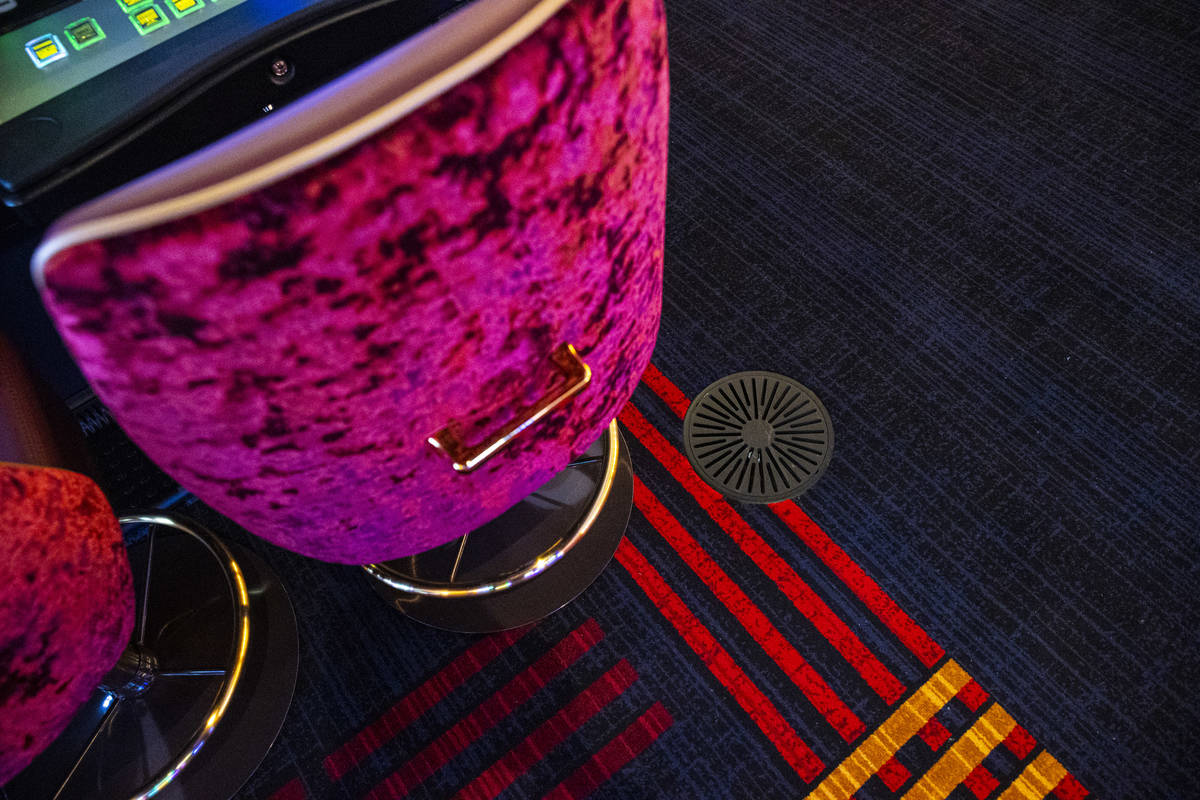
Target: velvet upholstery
{"points": [[66, 604], [286, 355]]}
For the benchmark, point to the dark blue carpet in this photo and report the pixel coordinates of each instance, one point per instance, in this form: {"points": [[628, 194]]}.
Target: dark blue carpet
{"points": [[974, 229]]}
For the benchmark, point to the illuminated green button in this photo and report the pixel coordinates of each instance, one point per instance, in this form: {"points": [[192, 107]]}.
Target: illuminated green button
{"points": [[130, 5], [148, 18], [183, 7], [45, 50], [84, 33]]}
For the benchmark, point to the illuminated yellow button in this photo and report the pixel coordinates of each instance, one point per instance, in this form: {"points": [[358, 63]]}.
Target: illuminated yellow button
{"points": [[182, 7], [84, 33], [45, 50], [148, 19], [130, 5]]}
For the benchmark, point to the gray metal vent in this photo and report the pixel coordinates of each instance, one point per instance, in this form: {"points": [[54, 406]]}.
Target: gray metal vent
{"points": [[758, 437]]}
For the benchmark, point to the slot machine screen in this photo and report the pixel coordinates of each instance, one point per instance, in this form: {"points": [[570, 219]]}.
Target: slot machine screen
{"points": [[95, 93], [43, 55], [79, 77]]}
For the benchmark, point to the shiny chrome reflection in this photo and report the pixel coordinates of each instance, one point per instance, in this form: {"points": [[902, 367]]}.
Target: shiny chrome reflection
{"points": [[237, 658], [389, 575]]}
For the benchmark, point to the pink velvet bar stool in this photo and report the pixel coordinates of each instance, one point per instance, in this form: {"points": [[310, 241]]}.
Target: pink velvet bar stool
{"points": [[66, 604], [162, 680], [393, 323]]}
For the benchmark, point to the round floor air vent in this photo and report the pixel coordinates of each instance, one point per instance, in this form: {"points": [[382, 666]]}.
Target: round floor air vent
{"points": [[758, 437]]}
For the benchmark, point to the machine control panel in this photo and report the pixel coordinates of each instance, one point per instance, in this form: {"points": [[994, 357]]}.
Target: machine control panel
{"points": [[56, 52]]}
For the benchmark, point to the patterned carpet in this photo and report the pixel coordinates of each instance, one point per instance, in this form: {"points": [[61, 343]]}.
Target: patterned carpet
{"points": [[971, 228], [747, 658]]}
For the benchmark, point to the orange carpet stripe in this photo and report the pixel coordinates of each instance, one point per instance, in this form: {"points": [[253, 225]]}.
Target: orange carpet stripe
{"points": [[888, 738], [1037, 780], [963, 756]]}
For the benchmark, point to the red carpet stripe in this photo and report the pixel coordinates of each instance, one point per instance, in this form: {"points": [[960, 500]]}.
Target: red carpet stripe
{"points": [[1020, 743], [667, 391], [507, 699], [627, 746], [934, 734], [551, 733], [292, 790], [893, 774], [875, 599], [802, 674], [981, 782], [902, 626], [418, 701], [768, 719], [972, 696], [1070, 789], [835, 631]]}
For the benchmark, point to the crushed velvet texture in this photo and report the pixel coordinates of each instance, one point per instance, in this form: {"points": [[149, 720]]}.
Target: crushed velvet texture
{"points": [[66, 604], [286, 355]]}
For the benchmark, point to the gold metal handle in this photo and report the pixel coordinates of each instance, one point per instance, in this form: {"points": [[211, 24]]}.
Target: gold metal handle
{"points": [[466, 459]]}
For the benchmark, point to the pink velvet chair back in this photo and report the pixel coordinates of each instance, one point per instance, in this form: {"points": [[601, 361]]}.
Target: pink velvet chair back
{"points": [[286, 354]]}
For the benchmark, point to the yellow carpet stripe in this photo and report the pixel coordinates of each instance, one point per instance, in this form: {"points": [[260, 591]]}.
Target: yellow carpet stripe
{"points": [[963, 756], [1037, 780], [889, 737]]}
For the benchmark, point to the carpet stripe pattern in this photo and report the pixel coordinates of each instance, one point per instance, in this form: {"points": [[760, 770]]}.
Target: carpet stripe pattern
{"points": [[904, 721], [964, 758]]}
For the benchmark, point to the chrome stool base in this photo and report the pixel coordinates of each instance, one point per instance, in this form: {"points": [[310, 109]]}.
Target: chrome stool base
{"points": [[528, 562], [202, 691]]}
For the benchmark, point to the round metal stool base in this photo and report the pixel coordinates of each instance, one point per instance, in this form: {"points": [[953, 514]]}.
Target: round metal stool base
{"points": [[116, 744], [517, 538]]}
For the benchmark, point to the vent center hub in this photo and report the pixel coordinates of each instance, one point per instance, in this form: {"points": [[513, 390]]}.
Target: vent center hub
{"points": [[758, 433]]}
